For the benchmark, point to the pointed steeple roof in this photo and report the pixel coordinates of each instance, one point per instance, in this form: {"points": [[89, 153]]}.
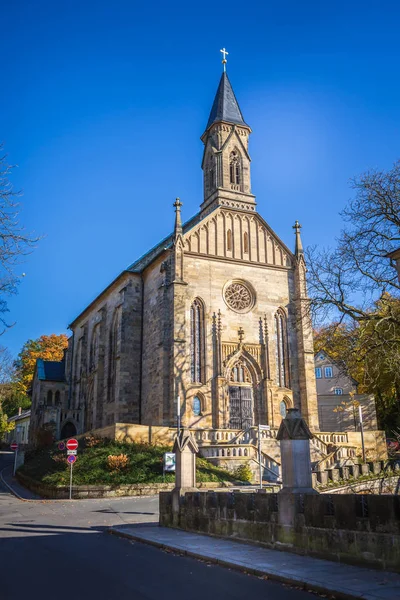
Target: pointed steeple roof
{"points": [[225, 106]]}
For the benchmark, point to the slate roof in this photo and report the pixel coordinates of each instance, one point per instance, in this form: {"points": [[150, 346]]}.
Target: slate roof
{"points": [[225, 106], [23, 415], [139, 265], [51, 370]]}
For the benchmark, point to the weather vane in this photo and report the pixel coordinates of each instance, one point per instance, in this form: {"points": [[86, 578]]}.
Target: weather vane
{"points": [[224, 54]]}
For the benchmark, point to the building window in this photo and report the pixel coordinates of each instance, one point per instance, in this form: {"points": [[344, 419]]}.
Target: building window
{"points": [[235, 168], [112, 356], [196, 407], [328, 371], [281, 350], [245, 242], [197, 340], [57, 397], [283, 409], [49, 398], [211, 173], [229, 240], [318, 372], [338, 391], [240, 373]]}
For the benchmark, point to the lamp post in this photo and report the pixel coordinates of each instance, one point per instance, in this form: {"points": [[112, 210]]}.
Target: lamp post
{"points": [[362, 431]]}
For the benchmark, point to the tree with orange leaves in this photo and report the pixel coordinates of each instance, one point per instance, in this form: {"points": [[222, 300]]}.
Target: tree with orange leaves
{"points": [[47, 347]]}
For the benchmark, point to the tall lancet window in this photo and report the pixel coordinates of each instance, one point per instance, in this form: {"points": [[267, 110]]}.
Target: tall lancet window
{"points": [[235, 168], [197, 340], [281, 350], [211, 174]]}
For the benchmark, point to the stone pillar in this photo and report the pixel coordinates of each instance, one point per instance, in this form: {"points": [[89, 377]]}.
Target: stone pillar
{"points": [[294, 437], [185, 449]]}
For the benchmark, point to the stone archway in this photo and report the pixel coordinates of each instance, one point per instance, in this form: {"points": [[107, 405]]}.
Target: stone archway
{"points": [[68, 430], [242, 383]]}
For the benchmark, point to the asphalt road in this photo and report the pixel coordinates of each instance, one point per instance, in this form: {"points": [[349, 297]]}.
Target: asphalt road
{"points": [[61, 550]]}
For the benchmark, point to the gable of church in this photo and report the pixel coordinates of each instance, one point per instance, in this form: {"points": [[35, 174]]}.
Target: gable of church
{"points": [[237, 236]]}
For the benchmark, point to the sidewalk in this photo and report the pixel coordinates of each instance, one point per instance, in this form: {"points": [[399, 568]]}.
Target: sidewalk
{"points": [[339, 579], [13, 486]]}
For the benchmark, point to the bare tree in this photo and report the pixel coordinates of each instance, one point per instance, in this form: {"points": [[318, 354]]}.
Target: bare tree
{"points": [[15, 242], [348, 280]]}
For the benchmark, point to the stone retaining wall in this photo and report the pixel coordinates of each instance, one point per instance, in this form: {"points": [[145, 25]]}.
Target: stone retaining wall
{"points": [[358, 529], [103, 491]]}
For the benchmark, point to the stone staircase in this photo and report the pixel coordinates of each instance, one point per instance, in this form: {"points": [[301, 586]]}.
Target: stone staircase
{"points": [[229, 448]]}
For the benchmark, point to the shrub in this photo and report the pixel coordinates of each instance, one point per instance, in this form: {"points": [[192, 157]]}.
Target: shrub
{"points": [[243, 473], [45, 437], [117, 462], [91, 441]]}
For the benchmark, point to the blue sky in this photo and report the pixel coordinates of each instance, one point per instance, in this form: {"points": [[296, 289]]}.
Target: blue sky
{"points": [[103, 105]]}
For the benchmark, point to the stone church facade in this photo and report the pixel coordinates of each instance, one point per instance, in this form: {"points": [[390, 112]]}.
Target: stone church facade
{"points": [[215, 314]]}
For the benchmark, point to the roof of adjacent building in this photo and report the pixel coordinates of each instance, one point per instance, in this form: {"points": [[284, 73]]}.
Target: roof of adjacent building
{"points": [[24, 415], [51, 370], [225, 106]]}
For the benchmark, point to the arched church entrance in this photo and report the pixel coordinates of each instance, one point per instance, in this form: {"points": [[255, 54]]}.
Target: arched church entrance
{"points": [[68, 430], [241, 405]]}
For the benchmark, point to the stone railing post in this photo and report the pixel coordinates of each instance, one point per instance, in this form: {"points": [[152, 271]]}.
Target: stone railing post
{"points": [[294, 437], [185, 448]]}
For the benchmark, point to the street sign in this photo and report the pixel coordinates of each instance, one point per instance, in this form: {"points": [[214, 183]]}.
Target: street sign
{"points": [[72, 444], [61, 446], [72, 452], [169, 461], [14, 446], [71, 459], [264, 427]]}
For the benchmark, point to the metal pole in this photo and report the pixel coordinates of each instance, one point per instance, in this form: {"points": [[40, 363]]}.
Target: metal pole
{"points": [[15, 461], [178, 414], [362, 432], [70, 483], [259, 456]]}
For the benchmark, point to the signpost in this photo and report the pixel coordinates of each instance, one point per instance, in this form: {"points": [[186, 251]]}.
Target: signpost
{"points": [[72, 449], [168, 463], [14, 448], [260, 429], [61, 446]]}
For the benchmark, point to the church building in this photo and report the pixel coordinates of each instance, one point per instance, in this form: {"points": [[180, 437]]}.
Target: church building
{"points": [[213, 319]]}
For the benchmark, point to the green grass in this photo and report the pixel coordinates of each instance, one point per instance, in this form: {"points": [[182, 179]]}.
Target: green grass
{"points": [[145, 465]]}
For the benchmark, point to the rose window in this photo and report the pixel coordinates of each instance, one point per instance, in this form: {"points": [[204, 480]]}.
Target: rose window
{"points": [[238, 297]]}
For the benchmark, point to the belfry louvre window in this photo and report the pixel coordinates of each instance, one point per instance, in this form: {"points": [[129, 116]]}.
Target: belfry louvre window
{"points": [[235, 168], [229, 240], [281, 350], [197, 340]]}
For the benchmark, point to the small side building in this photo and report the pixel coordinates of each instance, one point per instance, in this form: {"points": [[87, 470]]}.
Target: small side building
{"points": [[336, 407], [50, 401], [20, 433]]}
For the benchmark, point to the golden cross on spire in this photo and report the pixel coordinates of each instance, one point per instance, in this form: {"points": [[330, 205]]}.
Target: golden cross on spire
{"points": [[224, 54]]}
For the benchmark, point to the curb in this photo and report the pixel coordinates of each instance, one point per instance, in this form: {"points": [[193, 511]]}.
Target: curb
{"points": [[298, 583]]}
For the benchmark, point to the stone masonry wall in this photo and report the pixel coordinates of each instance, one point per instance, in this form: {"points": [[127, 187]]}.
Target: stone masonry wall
{"points": [[360, 529]]}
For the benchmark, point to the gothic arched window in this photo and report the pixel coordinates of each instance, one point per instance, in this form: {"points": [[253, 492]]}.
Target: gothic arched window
{"points": [[94, 348], [229, 240], [240, 373], [281, 350], [211, 173], [113, 355], [197, 341], [283, 409], [196, 406], [57, 397], [235, 168], [49, 398], [246, 242]]}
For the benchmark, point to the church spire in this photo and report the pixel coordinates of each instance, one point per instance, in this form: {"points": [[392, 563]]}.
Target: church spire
{"points": [[225, 106], [299, 245], [226, 159]]}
